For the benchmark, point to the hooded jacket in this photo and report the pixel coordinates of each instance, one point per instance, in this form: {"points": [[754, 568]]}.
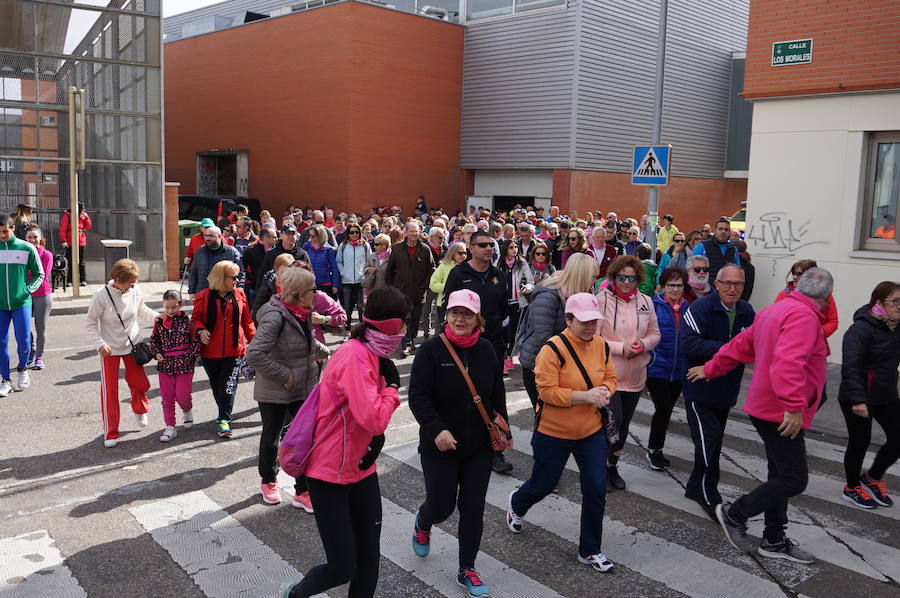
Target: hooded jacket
{"points": [[667, 360], [268, 262], [625, 321], [351, 261], [830, 325], [871, 357], [787, 344], [544, 318]]}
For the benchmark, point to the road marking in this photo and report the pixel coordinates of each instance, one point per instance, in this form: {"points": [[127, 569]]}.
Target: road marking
{"points": [[31, 565], [223, 558], [652, 557]]}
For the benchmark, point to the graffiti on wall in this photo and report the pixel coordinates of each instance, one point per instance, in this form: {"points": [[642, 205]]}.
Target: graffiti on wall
{"points": [[777, 235]]}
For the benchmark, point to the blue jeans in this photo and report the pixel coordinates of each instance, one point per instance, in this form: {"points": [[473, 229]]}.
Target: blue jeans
{"points": [[21, 320], [550, 456]]}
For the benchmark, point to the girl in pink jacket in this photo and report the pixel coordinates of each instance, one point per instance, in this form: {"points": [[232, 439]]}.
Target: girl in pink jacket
{"points": [[357, 396]]}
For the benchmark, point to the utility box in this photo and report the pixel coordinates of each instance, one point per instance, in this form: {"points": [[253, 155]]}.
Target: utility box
{"points": [[113, 251], [223, 172], [186, 230]]}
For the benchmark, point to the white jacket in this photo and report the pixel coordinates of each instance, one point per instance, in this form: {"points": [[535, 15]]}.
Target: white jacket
{"points": [[103, 325], [351, 261]]}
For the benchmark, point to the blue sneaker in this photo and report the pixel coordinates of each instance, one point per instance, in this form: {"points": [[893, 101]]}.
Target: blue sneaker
{"points": [[470, 579], [286, 589], [421, 541], [31, 358]]}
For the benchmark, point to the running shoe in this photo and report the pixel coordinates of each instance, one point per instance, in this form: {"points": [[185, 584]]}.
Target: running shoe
{"points": [[168, 434], [23, 380], [39, 362], [303, 501], [31, 358], [513, 521], [735, 533], [110, 442], [877, 488], [599, 562], [270, 493], [224, 428], [6, 387], [787, 549], [469, 579], [421, 541], [188, 421], [286, 589], [141, 419], [656, 460], [859, 496]]}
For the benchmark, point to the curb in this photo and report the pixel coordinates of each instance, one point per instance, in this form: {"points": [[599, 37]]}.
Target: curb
{"points": [[82, 307]]}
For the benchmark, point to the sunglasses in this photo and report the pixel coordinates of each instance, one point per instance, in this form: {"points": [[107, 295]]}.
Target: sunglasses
{"points": [[795, 274], [352, 232], [380, 244], [632, 234], [573, 238], [540, 253], [484, 244], [679, 240], [701, 269], [625, 277], [233, 277]]}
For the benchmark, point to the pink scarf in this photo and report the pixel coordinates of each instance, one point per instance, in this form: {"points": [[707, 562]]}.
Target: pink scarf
{"points": [[315, 244], [464, 342], [355, 243], [700, 287], [381, 344], [301, 313], [510, 262], [625, 296], [383, 255]]}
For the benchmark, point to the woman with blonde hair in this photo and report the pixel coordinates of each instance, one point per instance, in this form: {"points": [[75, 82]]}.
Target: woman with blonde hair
{"points": [[545, 315], [24, 219], [374, 271], [222, 315], [113, 327], [456, 254]]}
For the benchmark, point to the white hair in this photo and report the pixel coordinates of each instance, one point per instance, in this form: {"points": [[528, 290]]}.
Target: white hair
{"points": [[690, 261], [725, 268], [214, 229], [816, 283]]}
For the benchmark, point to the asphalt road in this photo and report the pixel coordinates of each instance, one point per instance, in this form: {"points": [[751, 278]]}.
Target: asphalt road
{"points": [[185, 519]]}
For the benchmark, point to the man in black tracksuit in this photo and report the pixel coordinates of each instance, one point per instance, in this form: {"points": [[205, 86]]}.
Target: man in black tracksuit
{"points": [[482, 277], [287, 244], [712, 321]]}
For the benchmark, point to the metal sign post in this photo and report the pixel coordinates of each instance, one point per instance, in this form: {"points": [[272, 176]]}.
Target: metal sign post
{"points": [[653, 192], [76, 163]]}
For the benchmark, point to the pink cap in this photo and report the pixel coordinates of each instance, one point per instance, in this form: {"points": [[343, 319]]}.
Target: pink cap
{"points": [[482, 224], [583, 306], [465, 298]]}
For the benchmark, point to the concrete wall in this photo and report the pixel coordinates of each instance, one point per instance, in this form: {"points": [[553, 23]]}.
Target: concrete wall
{"points": [[806, 194]]}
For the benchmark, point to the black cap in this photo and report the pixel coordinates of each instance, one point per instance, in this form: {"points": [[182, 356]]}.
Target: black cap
{"points": [[289, 228]]}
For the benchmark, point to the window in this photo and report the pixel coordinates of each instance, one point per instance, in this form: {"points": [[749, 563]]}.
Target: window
{"points": [[483, 9], [882, 193]]}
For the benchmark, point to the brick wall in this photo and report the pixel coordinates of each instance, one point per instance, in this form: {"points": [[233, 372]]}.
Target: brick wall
{"points": [[856, 46]]}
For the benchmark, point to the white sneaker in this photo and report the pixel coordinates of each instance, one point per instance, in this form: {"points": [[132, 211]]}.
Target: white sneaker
{"points": [[141, 419], [111, 442], [6, 387], [168, 434], [23, 381], [598, 561], [514, 522], [188, 421]]}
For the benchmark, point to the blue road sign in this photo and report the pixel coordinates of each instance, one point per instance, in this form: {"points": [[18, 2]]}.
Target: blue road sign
{"points": [[650, 165]]}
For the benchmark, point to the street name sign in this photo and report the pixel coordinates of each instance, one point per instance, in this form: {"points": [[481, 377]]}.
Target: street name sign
{"points": [[798, 51], [650, 165]]}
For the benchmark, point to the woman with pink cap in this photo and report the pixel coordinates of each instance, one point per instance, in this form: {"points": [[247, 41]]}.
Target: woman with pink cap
{"points": [[357, 396], [454, 441]]}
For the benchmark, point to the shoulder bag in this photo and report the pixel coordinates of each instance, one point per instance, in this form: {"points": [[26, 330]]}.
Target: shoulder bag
{"points": [[140, 351], [498, 430]]}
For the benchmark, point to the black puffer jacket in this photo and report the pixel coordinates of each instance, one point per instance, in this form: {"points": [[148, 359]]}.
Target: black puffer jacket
{"points": [[440, 399], [871, 356]]}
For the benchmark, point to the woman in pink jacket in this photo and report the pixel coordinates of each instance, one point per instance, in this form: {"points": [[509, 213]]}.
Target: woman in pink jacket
{"points": [[630, 328], [41, 299], [357, 396]]}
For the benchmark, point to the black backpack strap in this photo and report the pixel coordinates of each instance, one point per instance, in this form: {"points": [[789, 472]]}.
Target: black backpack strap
{"points": [[578, 363]]}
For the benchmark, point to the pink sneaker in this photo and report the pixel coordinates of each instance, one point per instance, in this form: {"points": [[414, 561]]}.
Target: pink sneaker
{"points": [[509, 364], [302, 501], [270, 493]]}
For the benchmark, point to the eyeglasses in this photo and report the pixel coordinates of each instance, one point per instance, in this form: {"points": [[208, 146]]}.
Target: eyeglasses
{"points": [[895, 301], [625, 277], [484, 244], [701, 269], [632, 234], [674, 285], [731, 283], [796, 274], [465, 315], [679, 240], [538, 253]]}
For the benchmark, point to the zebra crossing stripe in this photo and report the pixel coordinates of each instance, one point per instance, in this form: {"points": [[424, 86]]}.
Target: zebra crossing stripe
{"points": [[653, 557], [31, 565], [223, 558]]}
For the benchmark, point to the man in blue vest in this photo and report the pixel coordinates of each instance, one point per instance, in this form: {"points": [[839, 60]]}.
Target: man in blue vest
{"points": [[720, 250]]}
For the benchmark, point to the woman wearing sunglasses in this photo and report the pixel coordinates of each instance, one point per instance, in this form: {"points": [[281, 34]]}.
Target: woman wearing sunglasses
{"points": [[830, 325], [634, 241], [539, 261], [676, 255], [576, 242], [630, 327], [375, 264], [352, 255]]}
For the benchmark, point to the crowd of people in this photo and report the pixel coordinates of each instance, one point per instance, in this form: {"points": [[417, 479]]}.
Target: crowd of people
{"points": [[587, 311]]}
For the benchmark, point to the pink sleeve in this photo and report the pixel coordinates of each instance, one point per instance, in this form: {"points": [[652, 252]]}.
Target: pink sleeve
{"points": [[326, 306], [370, 404], [737, 351], [788, 371]]}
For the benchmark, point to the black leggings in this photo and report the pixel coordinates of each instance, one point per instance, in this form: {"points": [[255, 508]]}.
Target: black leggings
{"points": [[457, 483], [510, 332], [276, 419], [219, 370], [349, 521], [622, 404], [530, 385], [352, 296], [859, 435], [664, 394]]}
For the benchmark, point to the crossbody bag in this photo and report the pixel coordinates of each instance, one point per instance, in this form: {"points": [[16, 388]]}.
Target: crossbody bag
{"points": [[140, 351]]}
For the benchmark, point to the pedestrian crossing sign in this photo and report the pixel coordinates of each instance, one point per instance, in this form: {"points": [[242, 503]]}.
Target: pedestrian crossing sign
{"points": [[650, 165]]}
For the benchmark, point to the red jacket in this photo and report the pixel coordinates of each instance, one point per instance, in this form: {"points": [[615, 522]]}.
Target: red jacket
{"points": [[65, 228], [787, 344], [195, 244], [830, 325], [220, 344]]}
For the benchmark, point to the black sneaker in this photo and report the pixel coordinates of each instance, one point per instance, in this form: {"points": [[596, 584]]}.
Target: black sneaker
{"points": [[501, 465], [877, 489], [613, 479], [710, 510], [859, 497], [656, 460], [735, 533], [786, 549]]}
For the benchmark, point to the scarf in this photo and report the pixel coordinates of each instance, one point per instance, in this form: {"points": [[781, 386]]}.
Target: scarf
{"points": [[463, 342], [355, 243], [433, 246], [699, 287], [383, 255], [676, 308], [212, 313], [315, 244], [510, 262], [881, 314], [301, 313], [539, 266], [381, 344], [625, 296]]}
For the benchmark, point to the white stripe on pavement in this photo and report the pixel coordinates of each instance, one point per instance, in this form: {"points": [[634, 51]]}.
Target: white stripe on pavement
{"points": [[31, 566], [224, 559], [652, 557]]}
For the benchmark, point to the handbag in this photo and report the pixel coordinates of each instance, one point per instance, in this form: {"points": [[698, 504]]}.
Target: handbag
{"points": [[498, 430], [140, 351]]}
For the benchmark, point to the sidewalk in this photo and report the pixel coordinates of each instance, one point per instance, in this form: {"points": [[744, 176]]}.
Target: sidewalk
{"points": [[64, 304]]}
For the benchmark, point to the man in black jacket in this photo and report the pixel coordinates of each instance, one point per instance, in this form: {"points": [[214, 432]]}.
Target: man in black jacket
{"points": [[487, 281], [287, 244], [253, 259]]}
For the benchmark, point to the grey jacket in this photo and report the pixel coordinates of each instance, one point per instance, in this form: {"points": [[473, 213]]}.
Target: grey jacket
{"points": [[351, 261], [544, 317], [204, 260], [282, 348], [374, 280]]}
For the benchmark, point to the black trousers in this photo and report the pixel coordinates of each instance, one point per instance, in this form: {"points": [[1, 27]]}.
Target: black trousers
{"points": [[514, 312], [457, 483], [859, 436], [81, 269], [707, 426], [530, 384], [412, 323], [788, 475], [352, 296], [276, 419], [664, 395], [623, 403], [349, 521], [219, 369]]}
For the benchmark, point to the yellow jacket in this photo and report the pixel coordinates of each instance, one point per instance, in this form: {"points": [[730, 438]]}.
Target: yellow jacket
{"points": [[556, 379], [664, 237]]}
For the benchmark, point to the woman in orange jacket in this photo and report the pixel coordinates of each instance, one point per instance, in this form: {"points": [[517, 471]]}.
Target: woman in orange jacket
{"points": [[222, 315]]}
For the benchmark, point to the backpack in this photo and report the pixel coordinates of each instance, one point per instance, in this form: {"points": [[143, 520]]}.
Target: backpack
{"points": [[297, 445]]}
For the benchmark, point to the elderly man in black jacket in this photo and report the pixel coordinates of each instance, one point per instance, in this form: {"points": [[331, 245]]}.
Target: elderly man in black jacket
{"points": [[409, 269]]}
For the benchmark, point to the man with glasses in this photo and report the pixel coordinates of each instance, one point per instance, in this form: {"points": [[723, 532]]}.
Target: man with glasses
{"points": [[712, 321], [479, 275], [719, 249], [286, 244], [409, 269], [244, 236], [213, 251], [698, 286], [706, 232]]}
